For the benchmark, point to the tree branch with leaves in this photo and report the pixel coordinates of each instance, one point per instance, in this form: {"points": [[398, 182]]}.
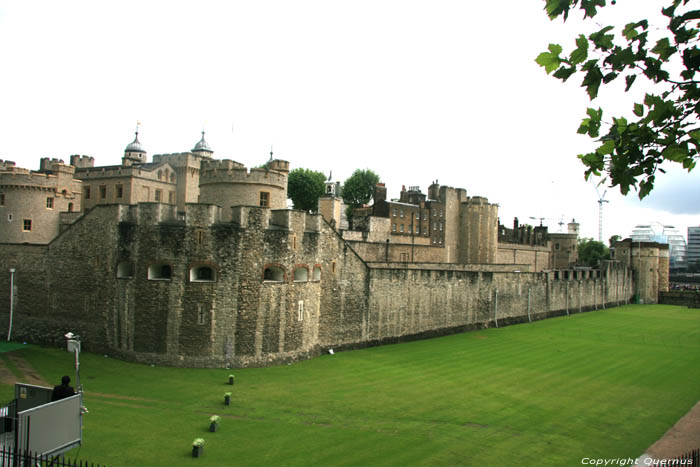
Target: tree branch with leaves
{"points": [[665, 125]]}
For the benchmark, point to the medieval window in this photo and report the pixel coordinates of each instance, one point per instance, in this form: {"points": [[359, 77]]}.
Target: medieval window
{"points": [[160, 174], [264, 199], [301, 274], [556, 275], [9, 217], [49, 203], [556, 246], [333, 264], [160, 271], [401, 228], [103, 191], [202, 274], [201, 314], [393, 227], [171, 197], [27, 225], [87, 192], [200, 236], [434, 241], [2, 199], [300, 310], [172, 177], [434, 213], [329, 189], [425, 215], [120, 191], [273, 274], [317, 273], [440, 241], [125, 270], [401, 213], [167, 175], [566, 275], [70, 207], [159, 195], [434, 225]]}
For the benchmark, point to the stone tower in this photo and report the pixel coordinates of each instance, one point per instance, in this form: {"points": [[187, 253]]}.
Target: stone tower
{"points": [[479, 231]]}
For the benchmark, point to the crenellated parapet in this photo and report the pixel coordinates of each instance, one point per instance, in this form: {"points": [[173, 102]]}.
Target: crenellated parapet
{"points": [[229, 183], [82, 162]]}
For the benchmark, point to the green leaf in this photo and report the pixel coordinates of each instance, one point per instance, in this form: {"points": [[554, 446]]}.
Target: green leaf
{"points": [[581, 53], [639, 110], [550, 60], [592, 81], [558, 7], [675, 153], [606, 148], [590, 7], [629, 80], [663, 49], [564, 73], [602, 40]]}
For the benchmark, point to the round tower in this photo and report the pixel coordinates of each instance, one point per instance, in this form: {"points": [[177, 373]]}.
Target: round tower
{"points": [[478, 231], [228, 183], [31, 202]]}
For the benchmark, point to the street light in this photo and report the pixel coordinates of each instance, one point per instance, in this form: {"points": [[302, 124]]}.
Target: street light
{"points": [[74, 346]]}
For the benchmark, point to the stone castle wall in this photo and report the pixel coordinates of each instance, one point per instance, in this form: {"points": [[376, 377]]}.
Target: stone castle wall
{"points": [[536, 257], [325, 297]]}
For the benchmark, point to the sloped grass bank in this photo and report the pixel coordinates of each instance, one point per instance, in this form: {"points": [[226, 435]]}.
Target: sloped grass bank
{"points": [[603, 384]]}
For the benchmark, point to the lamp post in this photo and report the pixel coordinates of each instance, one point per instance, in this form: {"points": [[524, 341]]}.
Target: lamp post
{"points": [[74, 346]]}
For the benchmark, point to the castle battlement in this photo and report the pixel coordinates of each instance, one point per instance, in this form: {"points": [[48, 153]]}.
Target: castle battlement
{"points": [[227, 171], [24, 177], [47, 164], [298, 221], [6, 165], [82, 162]]}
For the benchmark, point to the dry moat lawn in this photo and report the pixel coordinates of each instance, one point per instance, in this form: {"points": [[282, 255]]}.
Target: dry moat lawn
{"points": [[604, 384]]}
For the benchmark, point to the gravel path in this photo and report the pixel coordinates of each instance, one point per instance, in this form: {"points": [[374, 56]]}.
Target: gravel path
{"points": [[681, 438]]}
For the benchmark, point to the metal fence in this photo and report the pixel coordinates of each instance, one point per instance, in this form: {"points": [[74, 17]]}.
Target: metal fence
{"points": [[9, 457], [689, 458]]}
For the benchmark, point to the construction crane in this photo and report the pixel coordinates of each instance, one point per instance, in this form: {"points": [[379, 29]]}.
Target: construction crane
{"points": [[601, 200]]}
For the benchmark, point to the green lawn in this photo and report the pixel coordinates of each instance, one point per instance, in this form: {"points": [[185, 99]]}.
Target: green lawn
{"points": [[604, 384]]}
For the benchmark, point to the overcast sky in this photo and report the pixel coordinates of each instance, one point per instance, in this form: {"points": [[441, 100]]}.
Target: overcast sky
{"points": [[414, 90]]}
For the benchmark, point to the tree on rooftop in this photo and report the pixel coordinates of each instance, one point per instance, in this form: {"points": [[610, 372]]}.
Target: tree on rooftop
{"points": [[358, 189], [305, 187], [592, 252], [665, 125]]}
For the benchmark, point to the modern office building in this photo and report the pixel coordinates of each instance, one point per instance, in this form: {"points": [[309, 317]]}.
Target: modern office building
{"points": [[657, 232]]}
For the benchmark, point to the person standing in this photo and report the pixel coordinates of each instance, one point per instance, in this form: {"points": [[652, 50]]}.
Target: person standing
{"points": [[63, 390]]}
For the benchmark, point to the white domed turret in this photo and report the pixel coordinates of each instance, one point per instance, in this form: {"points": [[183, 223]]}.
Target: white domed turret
{"points": [[134, 153], [202, 148]]}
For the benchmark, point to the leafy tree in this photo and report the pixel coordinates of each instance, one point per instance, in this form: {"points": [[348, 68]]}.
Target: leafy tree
{"points": [[359, 187], [305, 187], [665, 125], [613, 240], [591, 252]]}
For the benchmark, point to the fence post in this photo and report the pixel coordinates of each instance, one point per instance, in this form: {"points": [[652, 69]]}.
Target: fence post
{"points": [[495, 309], [529, 294]]}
